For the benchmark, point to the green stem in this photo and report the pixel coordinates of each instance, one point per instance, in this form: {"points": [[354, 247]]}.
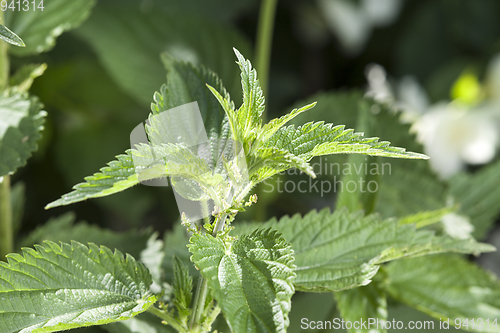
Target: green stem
{"points": [[6, 233], [4, 60], [6, 230], [262, 63], [205, 212], [264, 41], [199, 301], [202, 290], [167, 318], [219, 224]]}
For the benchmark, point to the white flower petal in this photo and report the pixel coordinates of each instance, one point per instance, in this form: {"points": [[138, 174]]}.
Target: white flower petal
{"points": [[457, 226]]}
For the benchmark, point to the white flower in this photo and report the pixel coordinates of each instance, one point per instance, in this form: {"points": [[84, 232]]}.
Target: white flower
{"points": [[453, 136], [457, 226], [378, 87], [412, 99], [409, 97], [353, 23]]}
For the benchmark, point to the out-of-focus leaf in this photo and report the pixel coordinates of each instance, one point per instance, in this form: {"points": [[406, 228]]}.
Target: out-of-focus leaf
{"points": [[187, 83], [447, 286], [218, 9], [361, 304], [129, 40], [478, 196], [21, 121], [40, 27], [313, 306], [64, 229]]}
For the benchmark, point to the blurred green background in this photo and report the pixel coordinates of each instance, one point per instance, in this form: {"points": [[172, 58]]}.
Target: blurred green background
{"points": [[101, 78]]}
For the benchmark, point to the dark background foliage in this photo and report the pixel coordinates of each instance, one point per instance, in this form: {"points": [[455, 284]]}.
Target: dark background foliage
{"points": [[91, 114], [101, 78]]}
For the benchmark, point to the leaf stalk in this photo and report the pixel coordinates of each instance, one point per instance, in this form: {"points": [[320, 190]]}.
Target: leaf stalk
{"points": [[200, 297], [6, 229]]}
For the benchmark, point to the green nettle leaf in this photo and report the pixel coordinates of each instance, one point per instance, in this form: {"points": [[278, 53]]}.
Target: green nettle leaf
{"points": [[182, 289], [275, 124], [317, 139], [59, 287], [40, 27], [10, 37], [134, 62], [251, 278], [64, 229], [116, 177], [361, 304], [250, 112], [342, 250], [143, 163], [268, 149], [301, 143], [478, 196], [21, 120], [270, 161], [447, 286], [393, 197], [185, 84]]}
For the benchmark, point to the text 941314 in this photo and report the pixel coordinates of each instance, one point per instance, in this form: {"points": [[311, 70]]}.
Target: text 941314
{"points": [[21, 5]]}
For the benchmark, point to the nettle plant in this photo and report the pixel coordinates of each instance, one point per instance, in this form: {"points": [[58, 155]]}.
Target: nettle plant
{"points": [[250, 271]]}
